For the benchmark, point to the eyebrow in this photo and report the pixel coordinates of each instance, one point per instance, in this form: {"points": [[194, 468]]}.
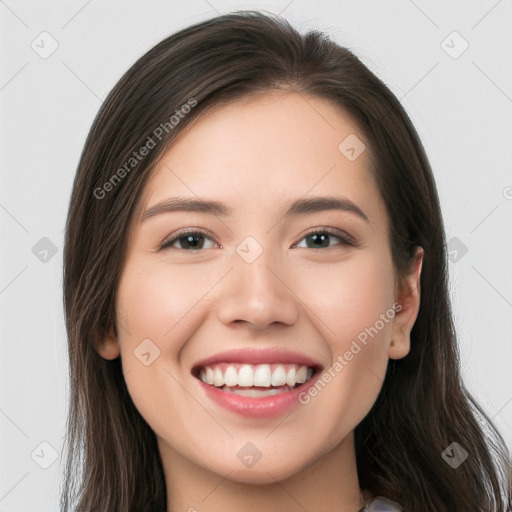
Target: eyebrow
{"points": [[301, 206]]}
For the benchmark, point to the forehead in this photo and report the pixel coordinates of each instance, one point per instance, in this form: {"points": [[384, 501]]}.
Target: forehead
{"points": [[266, 149]]}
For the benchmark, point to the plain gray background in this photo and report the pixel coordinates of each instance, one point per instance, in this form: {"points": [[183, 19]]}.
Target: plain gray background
{"points": [[460, 101]]}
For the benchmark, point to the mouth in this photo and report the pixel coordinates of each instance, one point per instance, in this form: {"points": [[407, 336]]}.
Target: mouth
{"points": [[256, 383], [255, 380]]}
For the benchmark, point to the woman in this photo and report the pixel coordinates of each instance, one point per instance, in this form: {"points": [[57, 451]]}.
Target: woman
{"points": [[300, 352]]}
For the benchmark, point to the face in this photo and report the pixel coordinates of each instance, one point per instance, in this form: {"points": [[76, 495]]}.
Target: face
{"points": [[255, 297]]}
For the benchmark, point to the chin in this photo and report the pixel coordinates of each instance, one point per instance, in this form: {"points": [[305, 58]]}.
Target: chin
{"points": [[263, 475], [264, 471]]}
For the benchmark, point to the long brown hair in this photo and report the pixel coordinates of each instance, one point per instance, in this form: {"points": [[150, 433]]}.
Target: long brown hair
{"points": [[113, 463]]}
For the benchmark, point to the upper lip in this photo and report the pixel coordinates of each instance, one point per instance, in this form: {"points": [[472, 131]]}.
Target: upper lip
{"points": [[258, 356]]}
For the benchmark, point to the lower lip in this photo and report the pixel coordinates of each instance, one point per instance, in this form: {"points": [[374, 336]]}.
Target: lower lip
{"points": [[259, 407]]}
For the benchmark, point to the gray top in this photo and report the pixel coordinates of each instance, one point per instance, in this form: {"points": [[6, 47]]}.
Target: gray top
{"points": [[380, 504]]}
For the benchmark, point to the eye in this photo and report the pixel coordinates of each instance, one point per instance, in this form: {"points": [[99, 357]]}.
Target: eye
{"points": [[193, 240], [190, 241], [322, 236]]}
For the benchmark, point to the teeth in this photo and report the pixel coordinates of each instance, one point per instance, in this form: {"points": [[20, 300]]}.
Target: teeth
{"points": [[257, 392], [301, 375], [228, 376], [218, 378], [231, 377], [262, 376], [290, 377], [246, 376], [279, 376]]}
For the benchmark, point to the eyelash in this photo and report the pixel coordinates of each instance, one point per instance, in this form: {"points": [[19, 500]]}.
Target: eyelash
{"points": [[345, 239]]}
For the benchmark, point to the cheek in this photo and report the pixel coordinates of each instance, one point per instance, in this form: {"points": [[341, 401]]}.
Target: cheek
{"points": [[155, 306], [159, 306], [159, 302], [356, 311], [349, 296]]}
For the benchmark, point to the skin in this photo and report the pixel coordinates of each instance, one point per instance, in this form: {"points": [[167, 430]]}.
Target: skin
{"points": [[254, 155]]}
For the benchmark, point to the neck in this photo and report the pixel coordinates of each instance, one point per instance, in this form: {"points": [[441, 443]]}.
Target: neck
{"points": [[329, 484]]}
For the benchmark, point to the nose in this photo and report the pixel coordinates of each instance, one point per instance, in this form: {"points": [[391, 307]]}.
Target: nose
{"points": [[259, 294]]}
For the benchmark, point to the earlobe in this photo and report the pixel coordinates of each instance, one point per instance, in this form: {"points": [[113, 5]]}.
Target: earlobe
{"points": [[108, 347], [408, 296]]}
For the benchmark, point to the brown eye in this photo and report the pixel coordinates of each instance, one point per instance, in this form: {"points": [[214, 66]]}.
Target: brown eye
{"points": [[321, 238], [188, 241], [194, 240]]}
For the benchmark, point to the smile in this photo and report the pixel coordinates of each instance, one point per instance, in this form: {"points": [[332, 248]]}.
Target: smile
{"points": [[256, 383], [255, 380]]}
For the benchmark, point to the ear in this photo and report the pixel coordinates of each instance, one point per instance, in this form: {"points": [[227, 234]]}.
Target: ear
{"points": [[108, 345], [408, 296]]}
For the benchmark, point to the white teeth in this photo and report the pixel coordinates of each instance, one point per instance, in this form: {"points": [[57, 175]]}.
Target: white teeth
{"points": [[290, 377], [301, 375], [218, 377], [279, 376], [259, 375], [258, 392], [246, 376], [230, 376], [262, 376]]}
